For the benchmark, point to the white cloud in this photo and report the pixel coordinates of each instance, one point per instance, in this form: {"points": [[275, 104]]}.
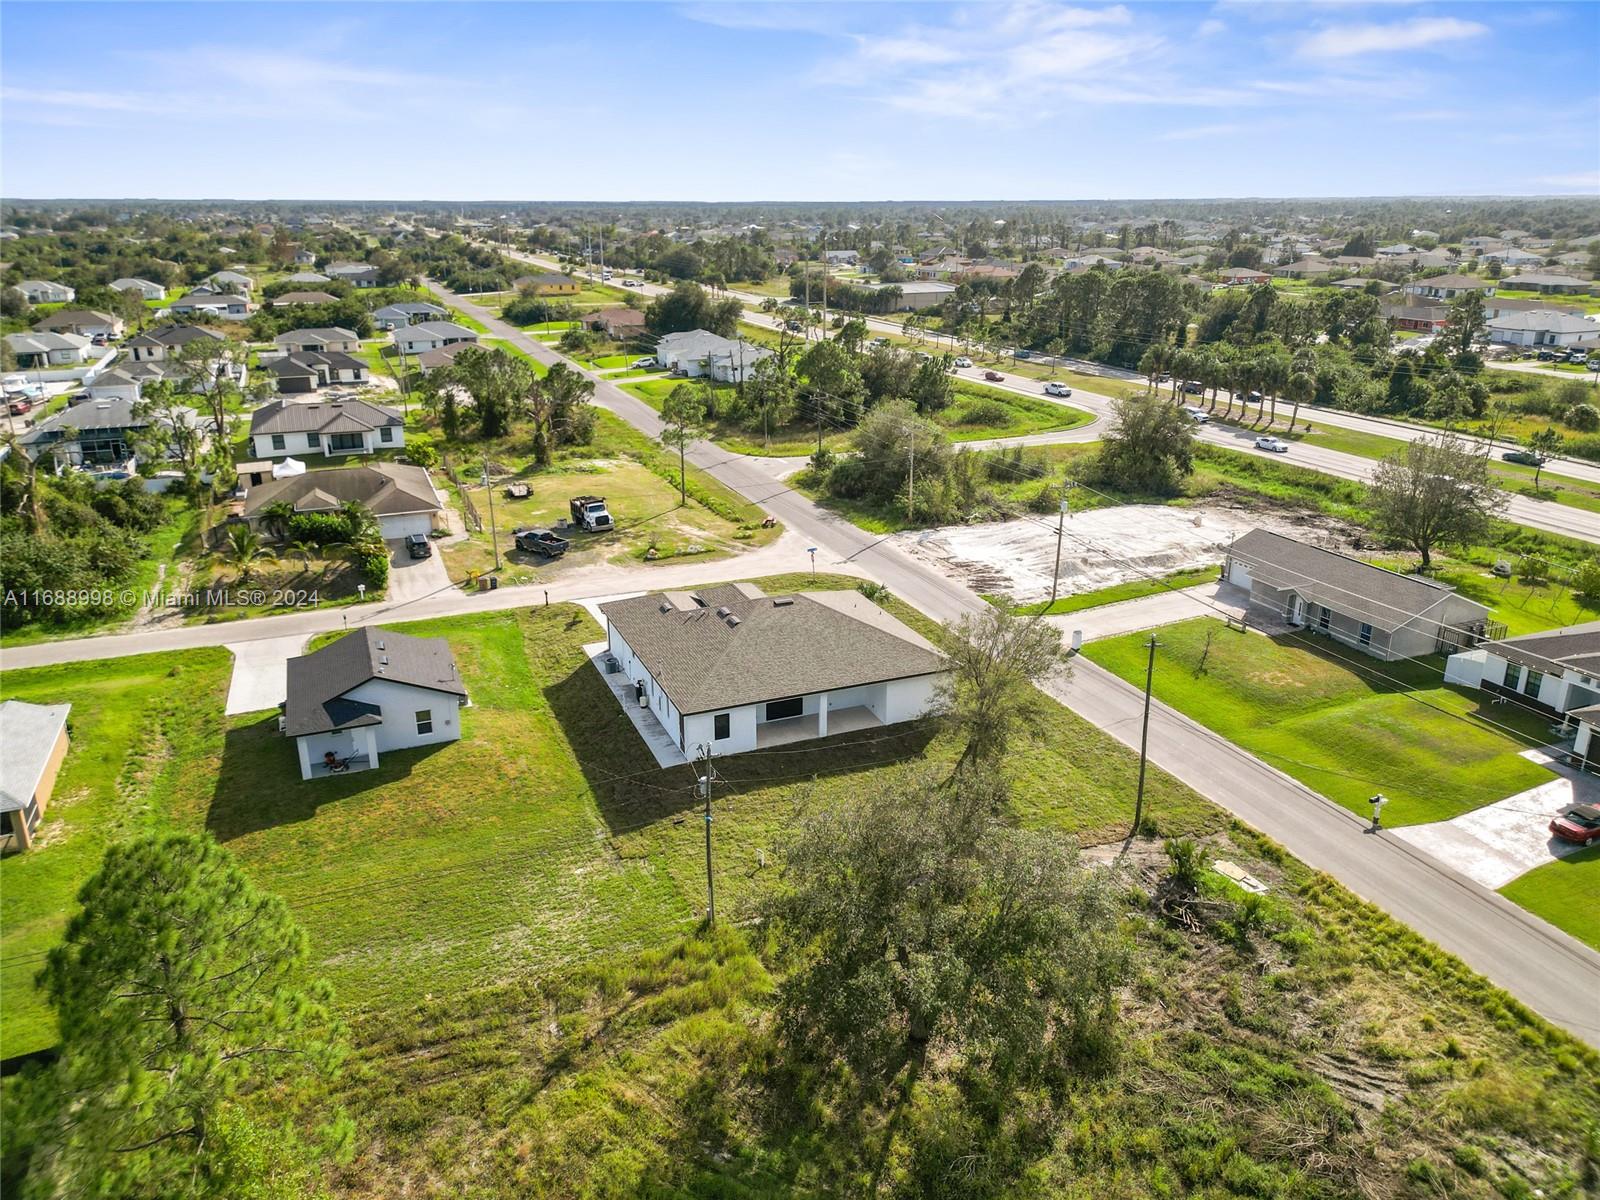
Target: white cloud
{"points": [[1200, 133], [95, 101], [1578, 181], [1346, 41], [775, 17], [1210, 28]]}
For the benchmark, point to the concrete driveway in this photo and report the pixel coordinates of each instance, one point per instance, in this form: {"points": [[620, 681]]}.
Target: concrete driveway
{"points": [[1495, 844], [414, 578], [260, 673]]}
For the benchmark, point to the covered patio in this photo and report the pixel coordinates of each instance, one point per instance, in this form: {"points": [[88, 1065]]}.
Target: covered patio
{"points": [[815, 725]]}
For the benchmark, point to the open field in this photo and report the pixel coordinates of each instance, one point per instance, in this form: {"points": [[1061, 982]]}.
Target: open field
{"points": [[1341, 722]]}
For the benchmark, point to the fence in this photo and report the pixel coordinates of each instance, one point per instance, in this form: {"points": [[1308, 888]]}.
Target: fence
{"points": [[469, 510]]}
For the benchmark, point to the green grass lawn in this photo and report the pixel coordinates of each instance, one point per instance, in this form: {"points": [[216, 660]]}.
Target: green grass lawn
{"points": [[545, 837], [539, 368], [1339, 721], [1134, 589], [976, 413], [1563, 892], [1522, 606]]}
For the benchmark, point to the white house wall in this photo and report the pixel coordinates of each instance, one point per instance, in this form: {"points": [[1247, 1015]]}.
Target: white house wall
{"points": [[400, 703], [700, 728]]}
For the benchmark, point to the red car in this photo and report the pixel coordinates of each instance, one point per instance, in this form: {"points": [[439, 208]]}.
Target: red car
{"points": [[994, 377], [1580, 824], [19, 407]]}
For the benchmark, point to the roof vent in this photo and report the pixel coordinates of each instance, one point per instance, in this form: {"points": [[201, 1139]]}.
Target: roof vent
{"points": [[782, 601], [723, 611], [383, 661], [732, 621], [381, 646], [666, 606]]}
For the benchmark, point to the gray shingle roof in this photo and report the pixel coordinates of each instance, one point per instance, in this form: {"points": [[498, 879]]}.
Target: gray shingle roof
{"points": [[1576, 646], [28, 734], [282, 416], [388, 489], [173, 335], [781, 646], [318, 681], [1382, 598]]}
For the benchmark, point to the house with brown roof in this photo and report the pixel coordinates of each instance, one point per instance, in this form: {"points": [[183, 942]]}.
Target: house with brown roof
{"points": [[400, 495], [86, 322], [370, 693], [619, 323], [730, 669]]}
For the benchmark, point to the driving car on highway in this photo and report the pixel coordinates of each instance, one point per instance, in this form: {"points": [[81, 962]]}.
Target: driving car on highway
{"points": [[1057, 389], [1276, 445], [994, 377], [963, 361]]}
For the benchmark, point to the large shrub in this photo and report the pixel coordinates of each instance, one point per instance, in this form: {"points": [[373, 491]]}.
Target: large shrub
{"points": [[1585, 418], [320, 529]]}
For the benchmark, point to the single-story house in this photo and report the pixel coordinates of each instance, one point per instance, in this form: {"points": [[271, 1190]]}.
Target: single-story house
{"points": [[146, 289], [548, 283], [1243, 275], [1556, 671], [360, 275], [1500, 307], [444, 356], [400, 495], [318, 341], [45, 291], [231, 281], [1378, 611], [1304, 268], [430, 335], [1448, 287], [289, 299], [327, 428], [411, 312], [115, 385], [697, 352], [369, 693], [88, 322], [309, 370], [730, 669], [37, 350], [1542, 329], [1514, 257], [1398, 250], [96, 432], [619, 323], [304, 258], [214, 304], [154, 345], [917, 294], [1420, 318], [33, 742], [308, 277], [847, 258], [1538, 282]]}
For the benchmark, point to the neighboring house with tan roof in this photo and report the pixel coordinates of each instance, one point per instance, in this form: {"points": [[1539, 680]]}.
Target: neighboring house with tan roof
{"points": [[285, 299], [147, 289], [326, 428], [619, 323], [400, 495], [87, 322], [1448, 287], [372, 692], [33, 743], [45, 291], [155, 345], [1381, 612], [729, 669], [320, 341]]}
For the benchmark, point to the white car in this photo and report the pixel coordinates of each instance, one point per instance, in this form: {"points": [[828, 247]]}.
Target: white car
{"points": [[1275, 445], [630, 283], [963, 361], [638, 363], [1057, 389], [1199, 415]]}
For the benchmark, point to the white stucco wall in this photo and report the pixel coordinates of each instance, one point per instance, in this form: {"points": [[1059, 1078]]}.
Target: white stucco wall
{"points": [[909, 699], [400, 703]]}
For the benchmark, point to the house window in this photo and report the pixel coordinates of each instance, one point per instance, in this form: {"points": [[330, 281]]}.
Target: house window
{"points": [[386, 434], [313, 440], [1366, 634], [346, 441], [1323, 618], [424, 721], [721, 726], [1532, 684], [779, 710], [278, 443]]}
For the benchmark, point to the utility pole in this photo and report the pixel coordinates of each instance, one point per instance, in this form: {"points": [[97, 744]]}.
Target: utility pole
{"points": [[1061, 517], [911, 481], [824, 285], [494, 539], [1144, 734], [704, 788]]}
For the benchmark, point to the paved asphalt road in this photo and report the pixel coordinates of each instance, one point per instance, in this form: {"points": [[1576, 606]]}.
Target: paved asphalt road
{"points": [[1550, 972]]}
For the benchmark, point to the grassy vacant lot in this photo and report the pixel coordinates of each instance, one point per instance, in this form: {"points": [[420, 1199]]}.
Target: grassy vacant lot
{"points": [[975, 414], [1342, 723], [1132, 590], [640, 482], [1563, 892]]}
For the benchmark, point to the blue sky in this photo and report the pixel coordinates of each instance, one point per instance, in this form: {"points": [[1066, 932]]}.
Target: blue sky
{"points": [[760, 101]]}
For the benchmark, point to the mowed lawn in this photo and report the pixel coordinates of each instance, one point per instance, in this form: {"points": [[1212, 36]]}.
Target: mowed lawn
{"points": [[546, 836], [1563, 892], [1340, 722]]}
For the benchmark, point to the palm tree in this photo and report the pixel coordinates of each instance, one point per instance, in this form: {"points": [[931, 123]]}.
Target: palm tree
{"points": [[1301, 388], [1274, 373], [304, 549], [245, 548], [277, 515]]}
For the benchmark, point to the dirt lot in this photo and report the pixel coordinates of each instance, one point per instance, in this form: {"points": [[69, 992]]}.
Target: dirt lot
{"points": [[1102, 547]]}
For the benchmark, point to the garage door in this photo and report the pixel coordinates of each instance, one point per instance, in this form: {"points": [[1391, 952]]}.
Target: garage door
{"points": [[402, 526]]}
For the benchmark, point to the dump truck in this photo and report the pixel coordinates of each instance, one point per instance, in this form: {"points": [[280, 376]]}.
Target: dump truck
{"points": [[589, 512]]}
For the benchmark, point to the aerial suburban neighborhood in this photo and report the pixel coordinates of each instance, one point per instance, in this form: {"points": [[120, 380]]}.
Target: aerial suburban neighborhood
{"points": [[796, 691]]}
